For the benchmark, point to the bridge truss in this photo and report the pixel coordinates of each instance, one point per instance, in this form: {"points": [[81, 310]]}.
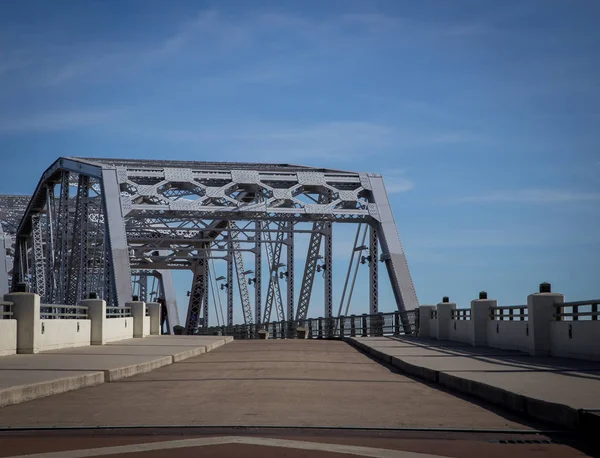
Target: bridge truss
{"points": [[12, 209], [108, 226]]}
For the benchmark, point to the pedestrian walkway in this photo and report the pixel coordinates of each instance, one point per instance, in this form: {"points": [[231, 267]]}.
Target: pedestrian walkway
{"points": [[25, 377], [266, 383], [562, 391]]}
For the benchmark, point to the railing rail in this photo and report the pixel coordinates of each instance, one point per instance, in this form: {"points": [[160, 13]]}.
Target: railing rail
{"points": [[64, 312], [575, 313], [381, 324], [118, 312], [509, 313], [461, 314], [6, 312]]}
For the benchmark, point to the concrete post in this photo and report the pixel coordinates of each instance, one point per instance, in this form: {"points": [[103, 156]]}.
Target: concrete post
{"points": [[97, 316], [154, 311], [444, 314], [26, 310], [480, 315], [424, 317], [541, 308], [138, 312]]}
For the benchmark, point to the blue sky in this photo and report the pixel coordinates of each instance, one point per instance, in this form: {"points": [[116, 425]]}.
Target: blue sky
{"points": [[482, 116]]}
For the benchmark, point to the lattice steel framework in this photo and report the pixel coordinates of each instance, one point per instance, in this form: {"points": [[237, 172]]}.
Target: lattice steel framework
{"points": [[12, 209], [92, 222]]}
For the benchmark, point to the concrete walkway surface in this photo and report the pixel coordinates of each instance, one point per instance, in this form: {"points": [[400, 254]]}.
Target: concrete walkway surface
{"points": [[565, 392], [26, 377], [286, 383]]}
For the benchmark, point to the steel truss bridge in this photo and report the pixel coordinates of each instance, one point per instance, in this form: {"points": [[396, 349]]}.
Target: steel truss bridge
{"points": [[118, 228]]}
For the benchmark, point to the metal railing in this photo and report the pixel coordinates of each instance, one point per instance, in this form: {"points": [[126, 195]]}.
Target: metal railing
{"points": [[381, 324], [571, 311], [118, 312], [461, 314], [509, 313], [63, 312], [6, 312]]}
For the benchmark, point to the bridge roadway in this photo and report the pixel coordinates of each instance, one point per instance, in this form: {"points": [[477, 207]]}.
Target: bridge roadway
{"points": [[284, 383]]}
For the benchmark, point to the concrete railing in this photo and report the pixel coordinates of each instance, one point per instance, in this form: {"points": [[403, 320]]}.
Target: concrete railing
{"points": [[546, 326], [26, 326], [8, 330]]}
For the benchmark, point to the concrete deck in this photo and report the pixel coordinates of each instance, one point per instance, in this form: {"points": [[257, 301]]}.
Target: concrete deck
{"points": [[27, 377], [557, 390], [295, 383]]}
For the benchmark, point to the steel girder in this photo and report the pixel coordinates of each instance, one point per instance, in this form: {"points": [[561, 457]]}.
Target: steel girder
{"points": [[289, 274], [373, 272], [230, 261], [257, 272]]}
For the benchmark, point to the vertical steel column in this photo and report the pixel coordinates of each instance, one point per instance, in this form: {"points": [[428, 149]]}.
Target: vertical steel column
{"points": [[5, 242], [290, 274], [258, 272], [168, 289], [143, 282], [328, 272], [118, 251], [205, 300], [39, 280], [50, 243], [77, 281], [373, 272], [230, 280], [197, 295], [63, 246]]}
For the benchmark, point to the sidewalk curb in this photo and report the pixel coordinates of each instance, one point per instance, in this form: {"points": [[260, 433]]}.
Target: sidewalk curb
{"points": [[561, 415], [22, 393]]}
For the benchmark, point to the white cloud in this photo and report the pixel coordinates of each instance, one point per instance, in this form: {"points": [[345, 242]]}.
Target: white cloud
{"points": [[530, 196]]}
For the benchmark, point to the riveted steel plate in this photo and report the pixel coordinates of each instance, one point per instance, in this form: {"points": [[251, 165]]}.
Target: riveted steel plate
{"points": [[348, 196], [365, 182], [178, 175], [126, 205], [180, 204], [310, 178], [146, 191], [121, 175], [245, 176], [214, 192], [373, 211]]}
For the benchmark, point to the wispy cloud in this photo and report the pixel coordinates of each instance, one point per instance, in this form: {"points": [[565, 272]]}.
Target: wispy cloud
{"points": [[529, 196], [325, 141], [396, 181], [209, 37], [265, 141], [59, 120]]}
